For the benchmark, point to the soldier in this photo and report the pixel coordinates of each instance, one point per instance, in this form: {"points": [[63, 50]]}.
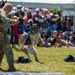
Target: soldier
{"points": [[5, 47]]}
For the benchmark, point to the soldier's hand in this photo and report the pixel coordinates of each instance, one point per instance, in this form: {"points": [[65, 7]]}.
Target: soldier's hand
{"points": [[11, 21]]}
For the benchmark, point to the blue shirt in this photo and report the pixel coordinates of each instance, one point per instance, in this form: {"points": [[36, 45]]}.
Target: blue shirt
{"points": [[20, 20], [44, 24], [27, 28], [34, 19]]}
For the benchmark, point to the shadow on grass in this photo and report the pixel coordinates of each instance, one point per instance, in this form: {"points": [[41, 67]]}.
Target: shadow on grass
{"points": [[35, 71], [2, 70]]}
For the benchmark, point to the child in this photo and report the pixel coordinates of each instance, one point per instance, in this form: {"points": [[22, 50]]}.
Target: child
{"points": [[71, 40], [14, 31]]}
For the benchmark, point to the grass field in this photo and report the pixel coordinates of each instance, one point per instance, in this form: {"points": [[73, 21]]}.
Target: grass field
{"points": [[53, 61]]}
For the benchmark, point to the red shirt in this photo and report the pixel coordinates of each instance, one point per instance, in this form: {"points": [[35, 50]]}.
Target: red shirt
{"points": [[15, 29]]}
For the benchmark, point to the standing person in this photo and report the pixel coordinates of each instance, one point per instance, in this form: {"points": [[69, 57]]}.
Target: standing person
{"points": [[37, 18], [20, 14], [46, 20], [26, 18], [14, 31], [5, 47]]}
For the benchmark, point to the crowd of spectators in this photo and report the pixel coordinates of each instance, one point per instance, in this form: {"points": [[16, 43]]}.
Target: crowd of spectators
{"points": [[54, 29]]}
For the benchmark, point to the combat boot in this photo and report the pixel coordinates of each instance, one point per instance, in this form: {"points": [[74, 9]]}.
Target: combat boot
{"points": [[12, 68], [0, 67]]}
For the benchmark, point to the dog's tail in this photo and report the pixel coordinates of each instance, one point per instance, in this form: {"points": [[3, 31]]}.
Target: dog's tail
{"points": [[40, 61]]}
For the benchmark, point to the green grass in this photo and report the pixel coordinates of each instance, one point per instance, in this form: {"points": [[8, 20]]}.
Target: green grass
{"points": [[53, 61]]}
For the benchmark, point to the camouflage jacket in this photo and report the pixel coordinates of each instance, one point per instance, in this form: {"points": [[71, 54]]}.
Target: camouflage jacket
{"points": [[3, 27], [3, 21]]}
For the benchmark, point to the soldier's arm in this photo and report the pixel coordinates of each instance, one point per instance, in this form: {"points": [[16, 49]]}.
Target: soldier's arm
{"points": [[4, 18]]}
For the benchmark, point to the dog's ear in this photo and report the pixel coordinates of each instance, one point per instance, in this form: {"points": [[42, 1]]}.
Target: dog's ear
{"points": [[30, 21], [35, 24]]}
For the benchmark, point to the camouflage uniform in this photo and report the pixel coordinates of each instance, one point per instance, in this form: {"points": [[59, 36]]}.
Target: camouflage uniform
{"points": [[5, 47]]}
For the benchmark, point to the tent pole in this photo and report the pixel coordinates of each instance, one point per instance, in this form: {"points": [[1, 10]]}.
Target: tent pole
{"points": [[74, 18], [68, 12]]}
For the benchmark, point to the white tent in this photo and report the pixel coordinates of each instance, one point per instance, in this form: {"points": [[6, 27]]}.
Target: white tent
{"points": [[43, 1], [54, 4]]}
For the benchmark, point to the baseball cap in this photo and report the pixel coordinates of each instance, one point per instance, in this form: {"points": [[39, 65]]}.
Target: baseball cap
{"points": [[37, 9], [18, 6], [15, 18]]}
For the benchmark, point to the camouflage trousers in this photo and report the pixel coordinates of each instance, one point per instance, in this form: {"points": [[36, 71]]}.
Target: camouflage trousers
{"points": [[6, 49]]}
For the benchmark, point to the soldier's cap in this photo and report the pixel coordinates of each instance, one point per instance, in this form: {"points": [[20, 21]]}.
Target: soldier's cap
{"points": [[15, 18]]}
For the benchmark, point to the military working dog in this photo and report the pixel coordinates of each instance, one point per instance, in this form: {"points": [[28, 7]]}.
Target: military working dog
{"points": [[28, 42]]}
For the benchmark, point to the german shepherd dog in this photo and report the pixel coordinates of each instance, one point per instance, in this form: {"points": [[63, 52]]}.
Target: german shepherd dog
{"points": [[29, 41]]}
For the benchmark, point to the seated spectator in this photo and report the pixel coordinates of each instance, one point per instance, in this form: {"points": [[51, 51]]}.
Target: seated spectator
{"points": [[40, 43], [64, 36], [61, 26], [44, 36], [71, 40], [52, 40], [63, 42], [72, 34], [60, 32]]}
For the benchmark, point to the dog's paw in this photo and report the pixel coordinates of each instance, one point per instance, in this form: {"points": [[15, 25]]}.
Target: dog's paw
{"points": [[40, 61]]}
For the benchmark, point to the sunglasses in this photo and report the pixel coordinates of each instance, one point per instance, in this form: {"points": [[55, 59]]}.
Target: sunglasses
{"points": [[18, 8]]}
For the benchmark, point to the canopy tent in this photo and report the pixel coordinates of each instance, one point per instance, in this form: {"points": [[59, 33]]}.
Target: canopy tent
{"points": [[43, 1], [54, 4]]}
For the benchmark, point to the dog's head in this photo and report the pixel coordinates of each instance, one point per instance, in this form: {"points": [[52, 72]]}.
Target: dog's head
{"points": [[34, 28]]}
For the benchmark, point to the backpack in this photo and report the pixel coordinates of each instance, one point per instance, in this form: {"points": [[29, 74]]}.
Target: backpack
{"points": [[69, 58]]}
